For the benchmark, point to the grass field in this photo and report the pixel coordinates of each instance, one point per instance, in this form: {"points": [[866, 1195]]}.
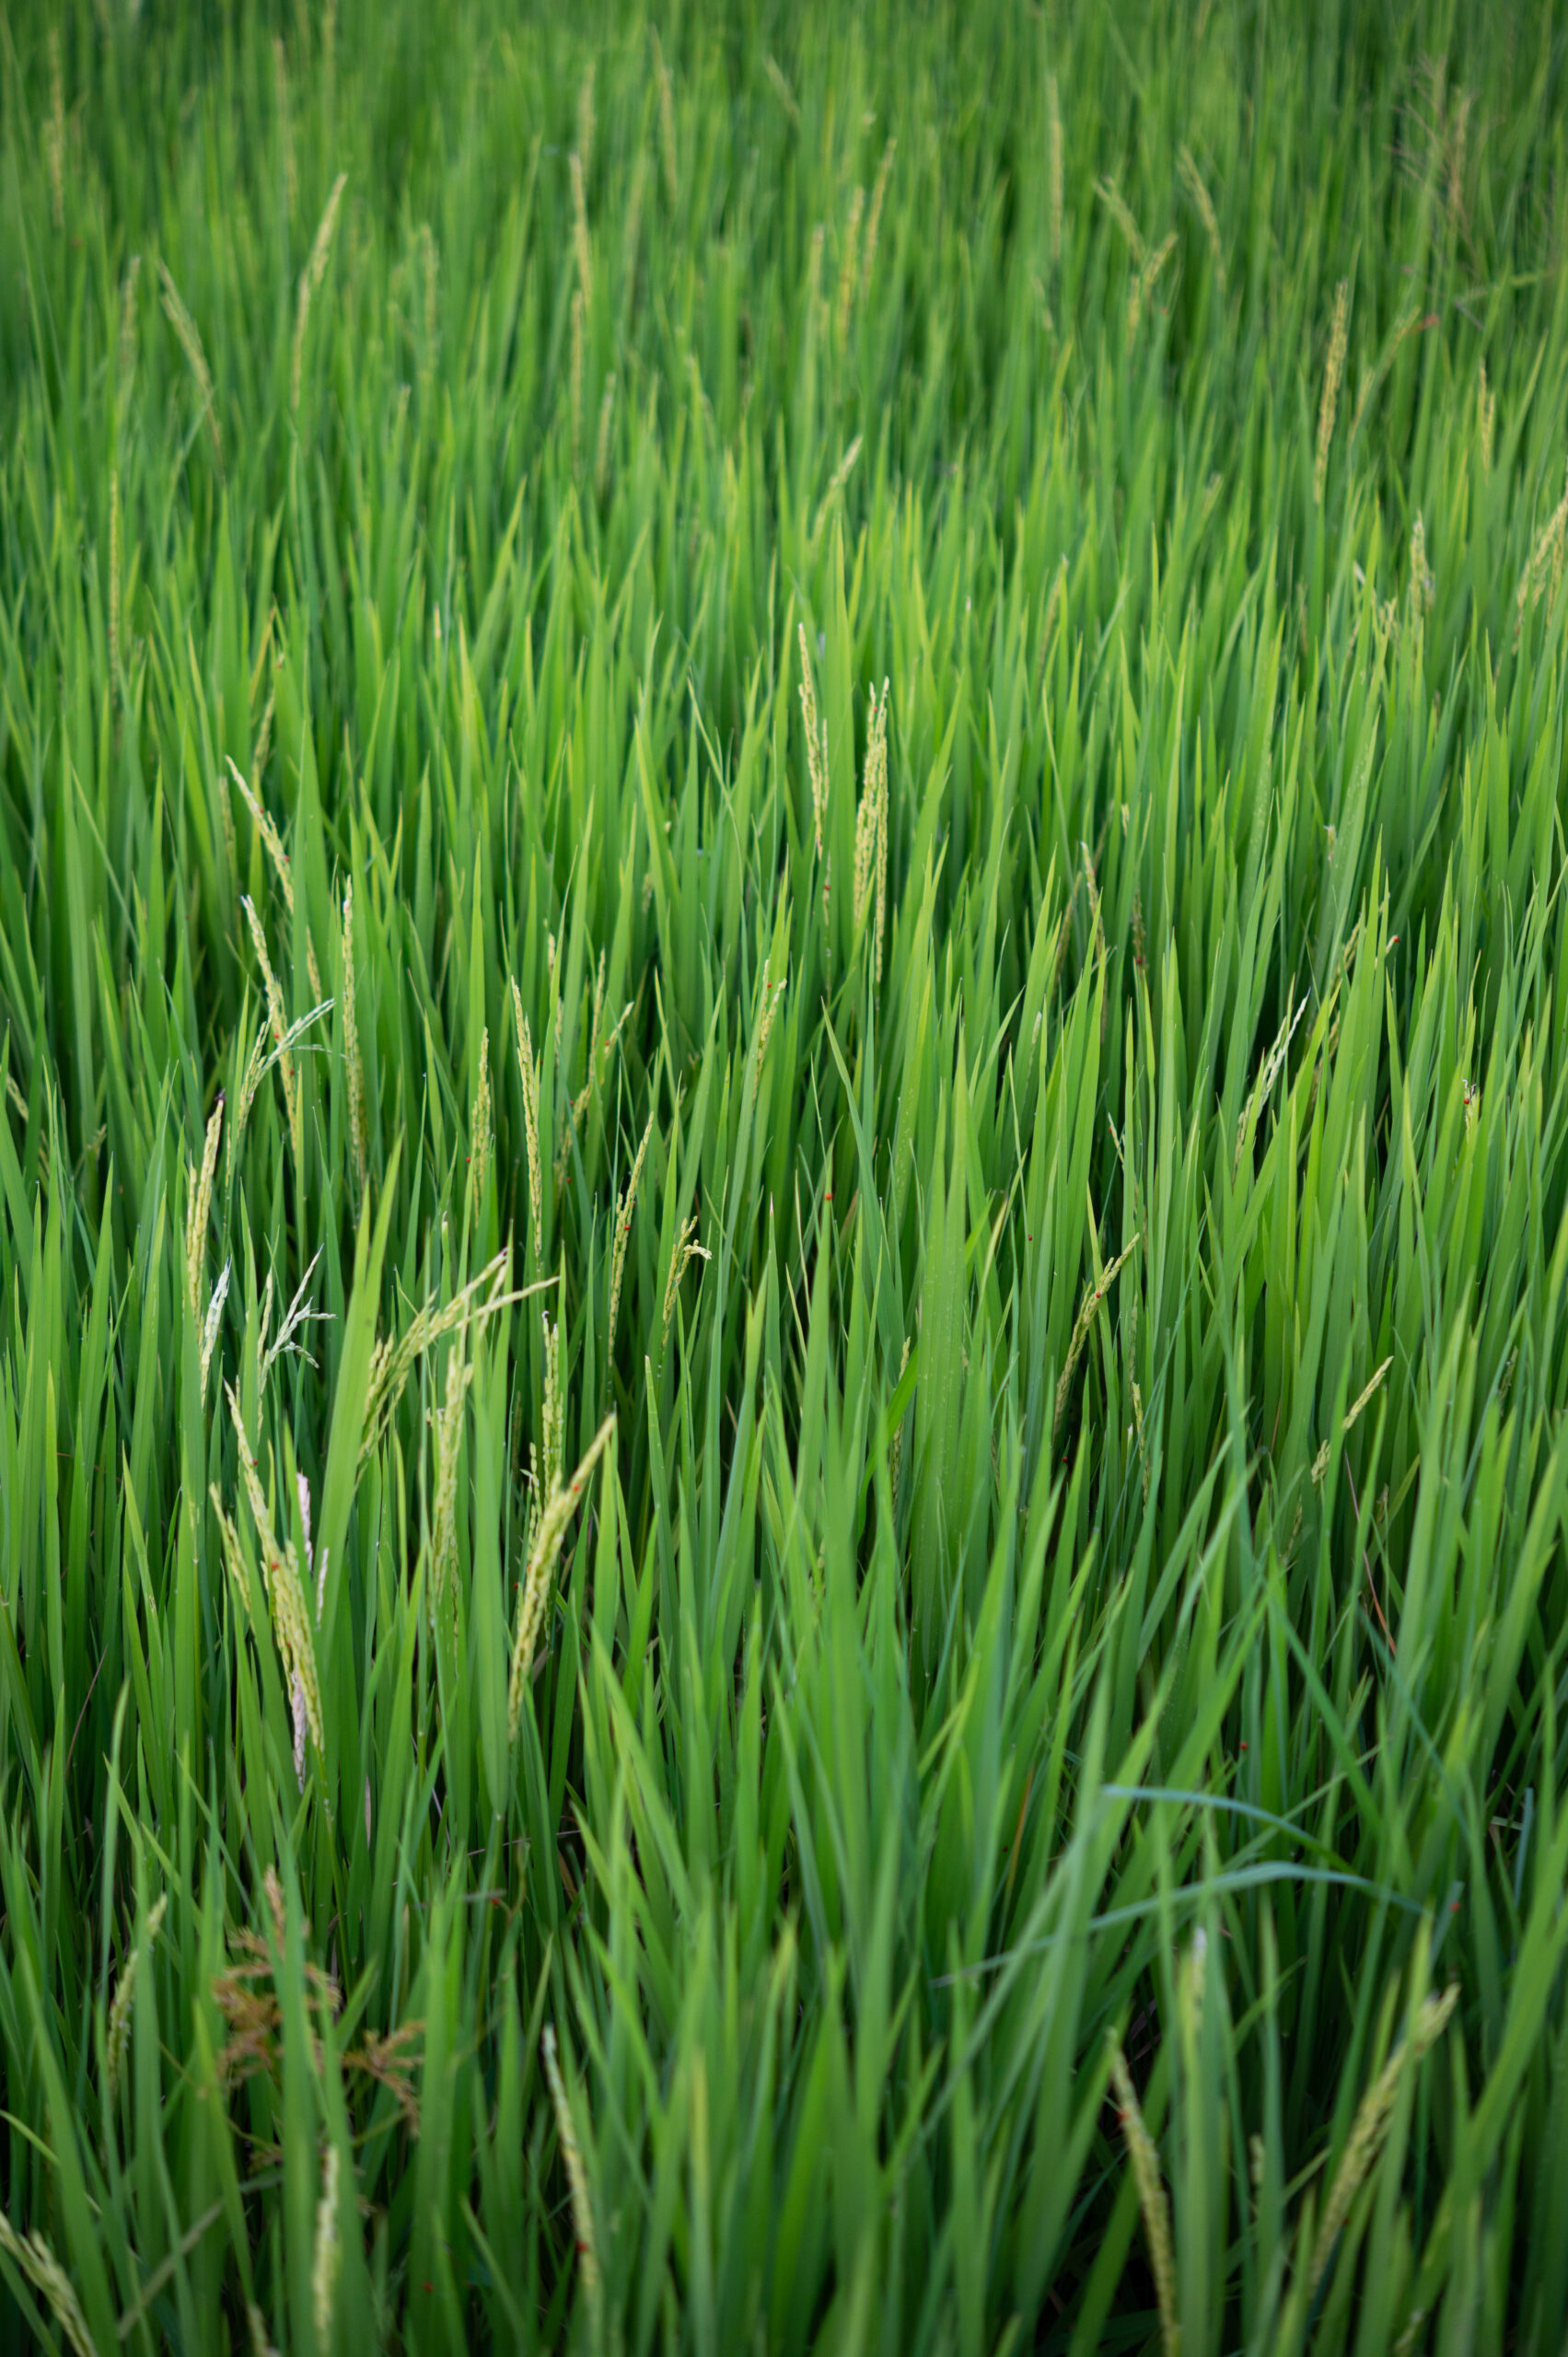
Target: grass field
{"points": [[784, 1192]]}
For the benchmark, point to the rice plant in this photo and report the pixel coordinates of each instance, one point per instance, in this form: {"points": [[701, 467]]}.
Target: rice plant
{"points": [[783, 1183]]}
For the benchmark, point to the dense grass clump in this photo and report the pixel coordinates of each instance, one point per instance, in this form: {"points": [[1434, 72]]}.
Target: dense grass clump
{"points": [[783, 1190]]}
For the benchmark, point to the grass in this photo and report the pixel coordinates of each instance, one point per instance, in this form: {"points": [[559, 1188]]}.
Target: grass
{"points": [[1014, 1797]]}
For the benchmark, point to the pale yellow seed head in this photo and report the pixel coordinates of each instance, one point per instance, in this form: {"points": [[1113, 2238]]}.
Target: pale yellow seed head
{"points": [[686, 1250], [577, 2179], [1092, 1300], [1151, 2201], [528, 1071], [1332, 372], [581, 245], [1187, 164], [559, 1508], [213, 1319], [36, 2259], [199, 1210], [119, 2032], [1371, 2125], [602, 448], [480, 1128], [624, 1212], [310, 278], [874, 218], [815, 740], [184, 327], [328, 2257], [286, 1595], [447, 1426]]}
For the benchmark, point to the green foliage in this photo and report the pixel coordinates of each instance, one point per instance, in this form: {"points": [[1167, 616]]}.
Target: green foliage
{"points": [[1071, 1617]]}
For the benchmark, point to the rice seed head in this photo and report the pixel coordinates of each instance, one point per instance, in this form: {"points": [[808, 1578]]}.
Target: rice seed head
{"points": [[36, 2259], [1371, 2125], [300, 1313], [271, 840], [1054, 168], [1424, 587], [870, 878], [895, 1467], [1151, 2201], [559, 1508], [816, 741], [392, 1361], [581, 246], [782, 90], [310, 278], [771, 998], [577, 2179], [1545, 564], [1333, 371], [214, 1320], [528, 1070], [685, 1250], [283, 1036], [874, 218], [328, 2257], [199, 1210], [480, 1127], [1544, 570], [552, 1418], [291, 1627], [1143, 1451], [1116, 204], [602, 447], [265, 735], [447, 1425], [547, 1455], [1351, 1413], [1092, 1300], [191, 343], [302, 1492], [1187, 164], [233, 1555], [1143, 284], [624, 1212], [1406, 325], [351, 1049], [118, 2033]]}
